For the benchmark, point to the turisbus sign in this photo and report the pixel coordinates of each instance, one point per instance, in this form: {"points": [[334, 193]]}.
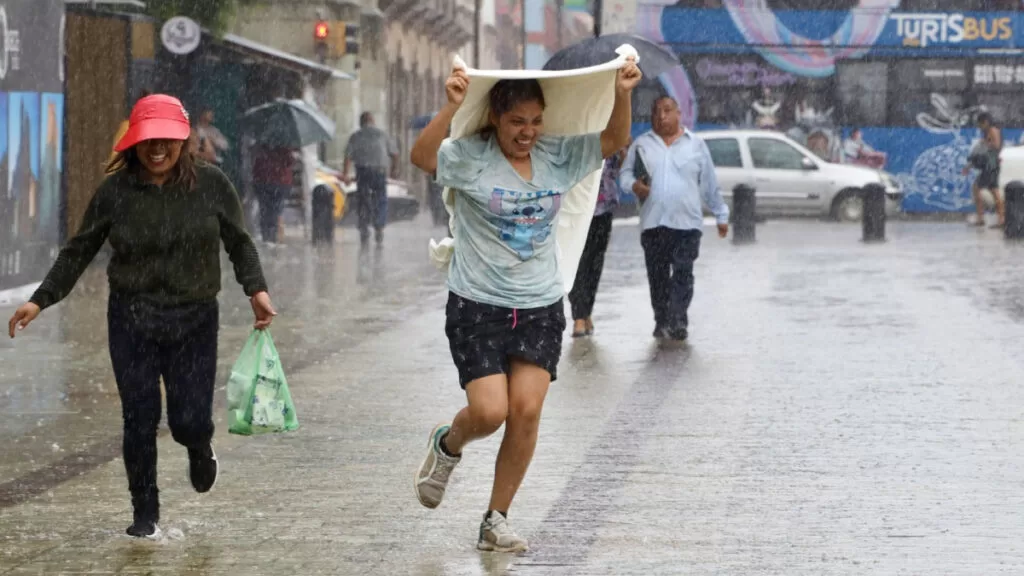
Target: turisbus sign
{"points": [[31, 137], [924, 29]]}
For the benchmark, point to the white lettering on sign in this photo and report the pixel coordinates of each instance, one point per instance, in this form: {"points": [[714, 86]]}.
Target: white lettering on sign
{"points": [[1004, 74], [943, 73], [10, 46], [923, 29], [984, 74]]}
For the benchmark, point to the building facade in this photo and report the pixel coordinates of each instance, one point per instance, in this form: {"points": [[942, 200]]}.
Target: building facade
{"points": [[399, 51]]}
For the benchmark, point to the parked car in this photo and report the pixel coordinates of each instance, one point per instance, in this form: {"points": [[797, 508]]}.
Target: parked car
{"points": [[1011, 166], [790, 179]]}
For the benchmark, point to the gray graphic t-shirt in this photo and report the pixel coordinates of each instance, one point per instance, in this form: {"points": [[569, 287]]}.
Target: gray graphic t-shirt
{"points": [[505, 253]]}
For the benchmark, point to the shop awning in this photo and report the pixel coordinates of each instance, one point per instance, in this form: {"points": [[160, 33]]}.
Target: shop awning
{"points": [[132, 3], [233, 40]]}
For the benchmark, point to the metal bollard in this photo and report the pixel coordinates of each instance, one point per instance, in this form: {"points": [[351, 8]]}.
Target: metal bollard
{"points": [[323, 215], [744, 214], [1014, 196], [874, 213]]}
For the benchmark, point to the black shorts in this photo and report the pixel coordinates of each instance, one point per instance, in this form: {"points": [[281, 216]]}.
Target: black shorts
{"points": [[988, 179], [482, 337]]}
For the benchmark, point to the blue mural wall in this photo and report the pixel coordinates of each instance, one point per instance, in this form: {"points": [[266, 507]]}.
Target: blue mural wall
{"points": [[31, 138], [746, 66]]}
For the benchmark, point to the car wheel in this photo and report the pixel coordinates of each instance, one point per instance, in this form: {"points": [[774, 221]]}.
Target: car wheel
{"points": [[848, 207]]}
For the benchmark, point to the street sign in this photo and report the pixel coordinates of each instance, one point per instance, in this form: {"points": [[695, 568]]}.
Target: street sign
{"points": [[181, 35]]}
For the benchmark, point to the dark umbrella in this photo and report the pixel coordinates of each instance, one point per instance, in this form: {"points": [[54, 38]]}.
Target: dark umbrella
{"points": [[289, 124], [654, 58]]}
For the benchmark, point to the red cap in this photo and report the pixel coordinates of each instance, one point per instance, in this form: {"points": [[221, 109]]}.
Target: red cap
{"points": [[156, 117]]}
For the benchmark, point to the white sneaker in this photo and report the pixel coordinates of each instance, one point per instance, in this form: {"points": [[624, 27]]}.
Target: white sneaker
{"points": [[496, 536], [432, 477]]}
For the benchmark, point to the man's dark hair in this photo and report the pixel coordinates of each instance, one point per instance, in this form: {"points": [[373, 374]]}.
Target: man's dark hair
{"points": [[654, 105], [984, 117], [506, 94], [365, 119]]}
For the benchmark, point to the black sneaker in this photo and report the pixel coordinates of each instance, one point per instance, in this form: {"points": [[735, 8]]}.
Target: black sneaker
{"points": [[202, 468], [144, 529], [379, 236], [146, 515]]}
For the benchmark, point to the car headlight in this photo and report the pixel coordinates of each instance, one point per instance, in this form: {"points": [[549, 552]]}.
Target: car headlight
{"points": [[892, 187]]}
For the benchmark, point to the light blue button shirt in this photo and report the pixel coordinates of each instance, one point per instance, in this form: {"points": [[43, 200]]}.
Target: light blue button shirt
{"points": [[682, 175]]}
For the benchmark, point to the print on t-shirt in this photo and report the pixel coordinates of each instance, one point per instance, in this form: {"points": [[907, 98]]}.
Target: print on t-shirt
{"points": [[524, 218]]}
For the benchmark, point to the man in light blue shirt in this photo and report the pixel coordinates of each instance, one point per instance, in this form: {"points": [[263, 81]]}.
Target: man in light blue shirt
{"points": [[670, 171]]}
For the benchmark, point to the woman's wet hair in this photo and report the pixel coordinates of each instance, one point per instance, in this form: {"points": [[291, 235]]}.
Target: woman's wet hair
{"points": [[506, 94], [184, 172]]}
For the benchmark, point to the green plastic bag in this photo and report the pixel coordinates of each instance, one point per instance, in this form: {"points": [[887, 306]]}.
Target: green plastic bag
{"points": [[258, 397]]}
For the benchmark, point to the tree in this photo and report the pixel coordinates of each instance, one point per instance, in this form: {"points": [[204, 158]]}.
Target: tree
{"points": [[212, 14]]}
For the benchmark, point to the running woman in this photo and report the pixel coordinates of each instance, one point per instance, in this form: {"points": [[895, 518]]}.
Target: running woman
{"points": [[505, 315], [165, 217]]}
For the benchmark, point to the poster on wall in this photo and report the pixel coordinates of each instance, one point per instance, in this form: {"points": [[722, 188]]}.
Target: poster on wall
{"points": [[31, 137]]}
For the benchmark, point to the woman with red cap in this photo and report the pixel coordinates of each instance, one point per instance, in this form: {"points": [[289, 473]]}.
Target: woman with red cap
{"points": [[165, 217]]}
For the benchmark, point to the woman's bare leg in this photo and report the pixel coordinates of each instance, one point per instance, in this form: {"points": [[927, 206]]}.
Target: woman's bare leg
{"points": [[483, 415], [527, 387]]}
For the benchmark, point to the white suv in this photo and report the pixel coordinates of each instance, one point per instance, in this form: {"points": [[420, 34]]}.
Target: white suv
{"points": [[789, 178]]}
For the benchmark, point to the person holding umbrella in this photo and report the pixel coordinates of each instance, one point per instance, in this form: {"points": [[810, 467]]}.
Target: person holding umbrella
{"points": [[505, 314], [278, 129], [273, 178], [166, 217]]}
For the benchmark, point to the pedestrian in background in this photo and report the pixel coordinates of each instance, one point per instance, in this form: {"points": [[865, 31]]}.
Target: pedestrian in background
{"points": [[374, 154], [212, 142], [681, 175], [985, 158], [588, 274], [505, 315], [273, 179], [165, 217]]}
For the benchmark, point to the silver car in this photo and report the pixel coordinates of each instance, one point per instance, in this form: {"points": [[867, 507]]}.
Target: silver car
{"points": [[790, 180]]}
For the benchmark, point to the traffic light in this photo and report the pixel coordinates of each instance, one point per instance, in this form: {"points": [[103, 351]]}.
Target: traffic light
{"points": [[321, 31], [335, 39]]}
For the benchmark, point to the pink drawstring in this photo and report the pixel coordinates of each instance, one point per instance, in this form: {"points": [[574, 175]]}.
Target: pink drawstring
{"points": [[515, 318]]}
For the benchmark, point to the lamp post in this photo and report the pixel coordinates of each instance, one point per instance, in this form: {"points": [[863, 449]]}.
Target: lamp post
{"points": [[476, 33]]}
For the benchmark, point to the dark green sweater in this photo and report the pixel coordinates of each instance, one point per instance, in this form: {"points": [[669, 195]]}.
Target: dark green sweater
{"points": [[166, 241]]}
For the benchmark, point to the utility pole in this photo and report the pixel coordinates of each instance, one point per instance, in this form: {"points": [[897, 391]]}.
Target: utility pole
{"points": [[559, 4], [476, 33], [522, 8]]}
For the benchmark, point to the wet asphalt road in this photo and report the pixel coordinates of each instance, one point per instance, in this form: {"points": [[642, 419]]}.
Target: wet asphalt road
{"points": [[841, 408]]}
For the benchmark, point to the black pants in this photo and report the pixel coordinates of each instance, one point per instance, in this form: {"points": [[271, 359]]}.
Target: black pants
{"points": [[372, 198], [271, 198], [588, 275], [669, 255], [148, 342]]}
